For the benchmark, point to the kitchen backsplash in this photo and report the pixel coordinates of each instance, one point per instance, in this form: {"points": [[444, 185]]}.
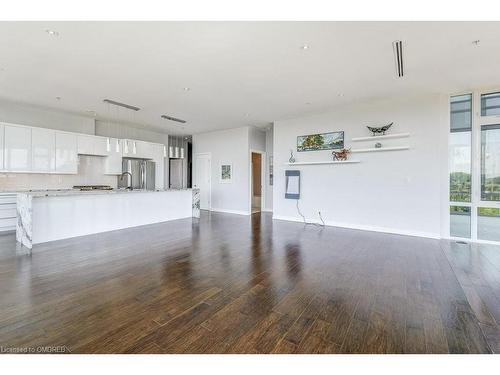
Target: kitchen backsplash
{"points": [[90, 172]]}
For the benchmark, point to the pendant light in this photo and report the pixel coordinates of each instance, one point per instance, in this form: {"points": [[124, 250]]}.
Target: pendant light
{"points": [[176, 148], [170, 147]]}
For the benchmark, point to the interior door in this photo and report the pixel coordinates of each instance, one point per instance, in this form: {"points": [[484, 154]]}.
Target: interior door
{"points": [[203, 179]]}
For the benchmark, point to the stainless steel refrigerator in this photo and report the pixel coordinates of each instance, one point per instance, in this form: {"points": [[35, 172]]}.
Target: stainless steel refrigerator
{"points": [[142, 171]]}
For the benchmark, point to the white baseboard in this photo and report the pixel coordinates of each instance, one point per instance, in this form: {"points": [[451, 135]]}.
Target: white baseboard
{"points": [[468, 240], [236, 212], [363, 227]]}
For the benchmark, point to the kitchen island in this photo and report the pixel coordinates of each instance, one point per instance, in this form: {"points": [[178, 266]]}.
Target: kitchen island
{"points": [[50, 216]]}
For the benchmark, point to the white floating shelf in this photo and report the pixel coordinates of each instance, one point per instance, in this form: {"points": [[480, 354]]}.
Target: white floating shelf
{"points": [[381, 149], [377, 137], [322, 162]]}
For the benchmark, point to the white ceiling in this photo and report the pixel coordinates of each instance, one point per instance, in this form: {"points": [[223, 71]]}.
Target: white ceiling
{"points": [[239, 73]]}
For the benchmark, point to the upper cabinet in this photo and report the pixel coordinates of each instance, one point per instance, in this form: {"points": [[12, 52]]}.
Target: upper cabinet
{"points": [[113, 163], [92, 145], [43, 150], [139, 149], [129, 148], [144, 150], [2, 129], [17, 148], [25, 149], [66, 153], [85, 144], [100, 146]]}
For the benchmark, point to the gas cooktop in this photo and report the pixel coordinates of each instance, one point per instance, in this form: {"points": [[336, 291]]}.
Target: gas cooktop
{"points": [[92, 187]]}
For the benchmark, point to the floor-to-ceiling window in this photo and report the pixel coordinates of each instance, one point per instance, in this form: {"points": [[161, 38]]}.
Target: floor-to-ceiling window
{"points": [[460, 165], [474, 166]]}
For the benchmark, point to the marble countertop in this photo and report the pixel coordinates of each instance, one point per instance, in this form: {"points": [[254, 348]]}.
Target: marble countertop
{"points": [[72, 192]]}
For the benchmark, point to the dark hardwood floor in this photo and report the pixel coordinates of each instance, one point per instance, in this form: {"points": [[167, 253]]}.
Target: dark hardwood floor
{"points": [[235, 284]]}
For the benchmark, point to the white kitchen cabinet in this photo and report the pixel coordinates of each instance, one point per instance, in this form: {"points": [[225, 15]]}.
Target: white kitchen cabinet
{"points": [[113, 162], [66, 153], [85, 144], [145, 150], [43, 150], [2, 129], [129, 148], [8, 214], [92, 145], [17, 143], [100, 146], [159, 160]]}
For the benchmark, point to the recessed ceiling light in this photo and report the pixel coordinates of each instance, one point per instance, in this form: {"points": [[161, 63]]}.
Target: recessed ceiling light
{"points": [[476, 42], [304, 47], [58, 98], [187, 89], [341, 94], [247, 114], [307, 103], [52, 32]]}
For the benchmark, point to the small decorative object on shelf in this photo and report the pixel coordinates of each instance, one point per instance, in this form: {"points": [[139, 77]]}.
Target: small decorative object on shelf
{"points": [[341, 155], [378, 145], [292, 159], [380, 130]]}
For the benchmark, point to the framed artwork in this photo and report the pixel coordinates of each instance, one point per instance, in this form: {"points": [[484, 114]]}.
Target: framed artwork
{"points": [[318, 142], [226, 173]]}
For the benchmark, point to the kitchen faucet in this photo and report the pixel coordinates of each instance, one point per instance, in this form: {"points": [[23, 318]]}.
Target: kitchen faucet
{"points": [[130, 174]]}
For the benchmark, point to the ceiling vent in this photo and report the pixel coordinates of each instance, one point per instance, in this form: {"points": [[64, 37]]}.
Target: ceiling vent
{"points": [[173, 119], [128, 106], [397, 46]]}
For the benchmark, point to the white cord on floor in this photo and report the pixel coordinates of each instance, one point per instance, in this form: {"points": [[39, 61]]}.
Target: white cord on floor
{"points": [[304, 218]]}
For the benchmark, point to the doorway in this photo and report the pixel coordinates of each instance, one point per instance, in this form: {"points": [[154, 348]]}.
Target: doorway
{"points": [[256, 196], [202, 179]]}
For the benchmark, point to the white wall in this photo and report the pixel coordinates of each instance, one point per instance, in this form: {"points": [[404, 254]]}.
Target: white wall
{"points": [[393, 191], [268, 205], [45, 118], [123, 131], [227, 146], [257, 139]]}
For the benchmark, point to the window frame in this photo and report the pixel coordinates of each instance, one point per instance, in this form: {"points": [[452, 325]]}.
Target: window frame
{"points": [[477, 121]]}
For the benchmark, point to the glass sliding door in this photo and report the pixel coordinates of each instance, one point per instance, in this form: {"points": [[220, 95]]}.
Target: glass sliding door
{"points": [[474, 166], [460, 224], [488, 210], [490, 162], [488, 223]]}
